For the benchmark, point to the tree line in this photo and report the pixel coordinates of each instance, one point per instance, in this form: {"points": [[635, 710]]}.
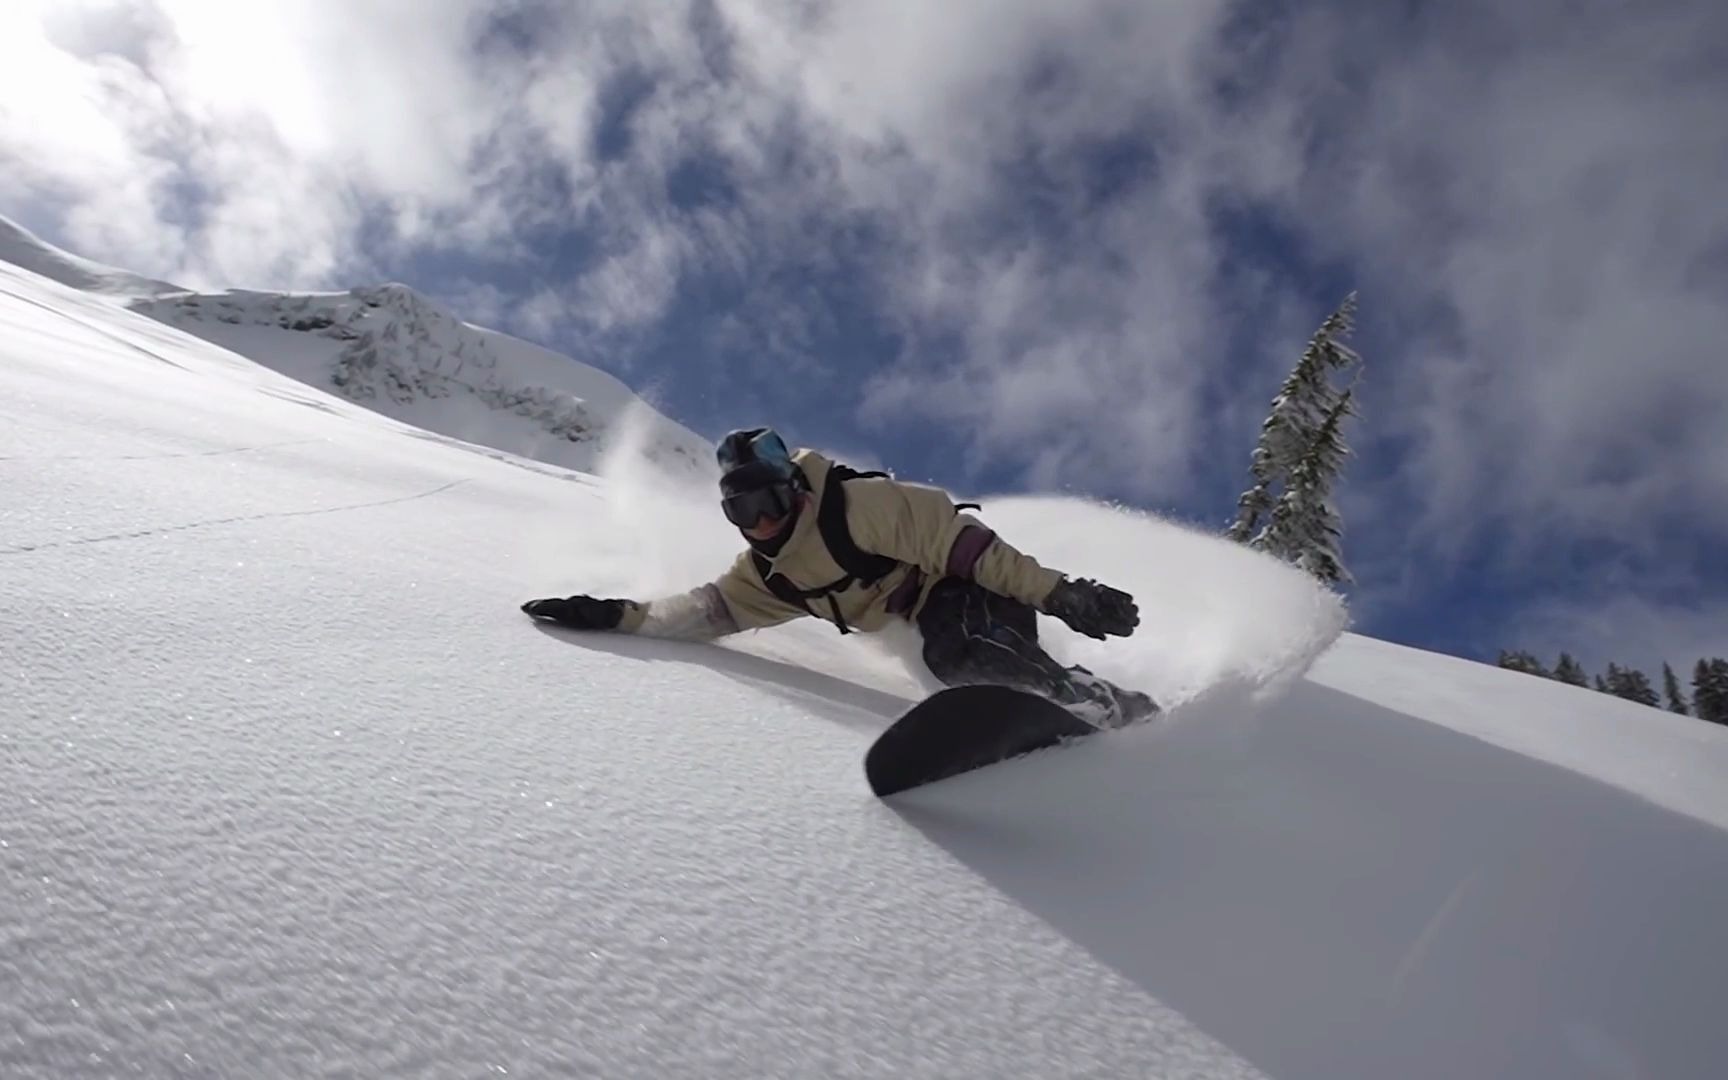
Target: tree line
{"points": [[1707, 701]]}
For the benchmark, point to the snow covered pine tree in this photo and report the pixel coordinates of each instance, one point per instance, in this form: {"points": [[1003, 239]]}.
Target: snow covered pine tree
{"points": [[1301, 451]]}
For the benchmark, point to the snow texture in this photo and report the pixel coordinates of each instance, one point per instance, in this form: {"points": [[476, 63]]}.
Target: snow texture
{"points": [[288, 787]]}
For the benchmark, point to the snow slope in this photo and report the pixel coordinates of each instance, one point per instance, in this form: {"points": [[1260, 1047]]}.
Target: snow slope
{"points": [[288, 787], [24, 249], [399, 354]]}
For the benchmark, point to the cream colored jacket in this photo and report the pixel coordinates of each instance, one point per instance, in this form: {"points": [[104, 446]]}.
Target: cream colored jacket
{"points": [[916, 525]]}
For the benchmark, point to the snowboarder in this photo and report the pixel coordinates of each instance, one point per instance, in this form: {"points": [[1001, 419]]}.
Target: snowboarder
{"points": [[861, 550]]}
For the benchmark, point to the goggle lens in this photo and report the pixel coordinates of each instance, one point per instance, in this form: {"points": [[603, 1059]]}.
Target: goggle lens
{"points": [[747, 508]]}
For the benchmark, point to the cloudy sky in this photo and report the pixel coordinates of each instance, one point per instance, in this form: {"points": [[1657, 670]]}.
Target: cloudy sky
{"points": [[1009, 244]]}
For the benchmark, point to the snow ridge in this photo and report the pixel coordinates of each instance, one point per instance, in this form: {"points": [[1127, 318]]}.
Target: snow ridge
{"points": [[391, 348]]}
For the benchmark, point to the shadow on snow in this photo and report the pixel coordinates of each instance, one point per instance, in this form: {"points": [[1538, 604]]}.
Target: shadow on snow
{"points": [[1337, 890]]}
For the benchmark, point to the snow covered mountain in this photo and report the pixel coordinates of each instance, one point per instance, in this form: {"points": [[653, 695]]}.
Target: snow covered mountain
{"points": [[289, 787], [400, 354]]}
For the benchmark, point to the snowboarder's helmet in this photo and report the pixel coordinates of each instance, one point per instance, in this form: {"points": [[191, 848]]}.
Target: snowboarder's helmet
{"points": [[757, 477]]}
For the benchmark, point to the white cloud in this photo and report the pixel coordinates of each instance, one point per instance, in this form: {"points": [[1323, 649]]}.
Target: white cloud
{"points": [[1080, 347], [1529, 192], [239, 144], [1548, 180]]}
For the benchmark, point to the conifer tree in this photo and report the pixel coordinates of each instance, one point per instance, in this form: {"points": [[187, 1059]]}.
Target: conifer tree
{"points": [[1568, 670], [1305, 526], [1719, 682], [1288, 510], [1522, 661], [1671, 687], [1631, 684], [1639, 689], [1614, 680], [1710, 690]]}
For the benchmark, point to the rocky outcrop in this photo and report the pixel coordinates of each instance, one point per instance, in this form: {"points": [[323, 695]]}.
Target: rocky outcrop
{"points": [[392, 344]]}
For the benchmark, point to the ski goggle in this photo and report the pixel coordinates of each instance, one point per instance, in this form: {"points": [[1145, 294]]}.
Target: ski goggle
{"points": [[745, 508]]}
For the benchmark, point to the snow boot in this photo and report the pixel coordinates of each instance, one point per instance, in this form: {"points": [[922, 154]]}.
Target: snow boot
{"points": [[1099, 701]]}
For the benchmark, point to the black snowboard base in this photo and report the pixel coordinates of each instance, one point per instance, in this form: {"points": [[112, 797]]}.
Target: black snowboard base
{"points": [[963, 728]]}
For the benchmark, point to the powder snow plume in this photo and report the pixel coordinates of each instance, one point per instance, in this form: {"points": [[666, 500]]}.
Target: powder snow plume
{"points": [[1214, 615]]}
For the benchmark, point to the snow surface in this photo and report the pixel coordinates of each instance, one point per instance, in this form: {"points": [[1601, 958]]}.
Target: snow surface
{"points": [[288, 787]]}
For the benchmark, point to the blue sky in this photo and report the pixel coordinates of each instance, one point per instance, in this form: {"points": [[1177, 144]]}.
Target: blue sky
{"points": [[1009, 245]]}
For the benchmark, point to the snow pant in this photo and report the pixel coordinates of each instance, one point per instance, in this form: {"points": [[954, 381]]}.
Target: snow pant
{"points": [[972, 635]]}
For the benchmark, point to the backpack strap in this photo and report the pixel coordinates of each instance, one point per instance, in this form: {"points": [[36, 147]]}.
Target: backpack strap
{"points": [[837, 535], [779, 584], [859, 565]]}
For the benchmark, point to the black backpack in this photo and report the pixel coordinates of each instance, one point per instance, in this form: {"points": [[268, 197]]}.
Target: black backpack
{"points": [[859, 565]]}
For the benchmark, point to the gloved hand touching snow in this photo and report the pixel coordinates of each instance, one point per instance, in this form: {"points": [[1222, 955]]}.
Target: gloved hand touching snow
{"points": [[1093, 609], [579, 612]]}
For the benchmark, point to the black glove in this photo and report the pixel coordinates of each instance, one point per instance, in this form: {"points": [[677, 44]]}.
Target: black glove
{"points": [[581, 612], [1093, 609]]}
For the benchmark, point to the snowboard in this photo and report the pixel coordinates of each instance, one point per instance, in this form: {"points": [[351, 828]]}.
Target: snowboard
{"points": [[963, 728]]}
